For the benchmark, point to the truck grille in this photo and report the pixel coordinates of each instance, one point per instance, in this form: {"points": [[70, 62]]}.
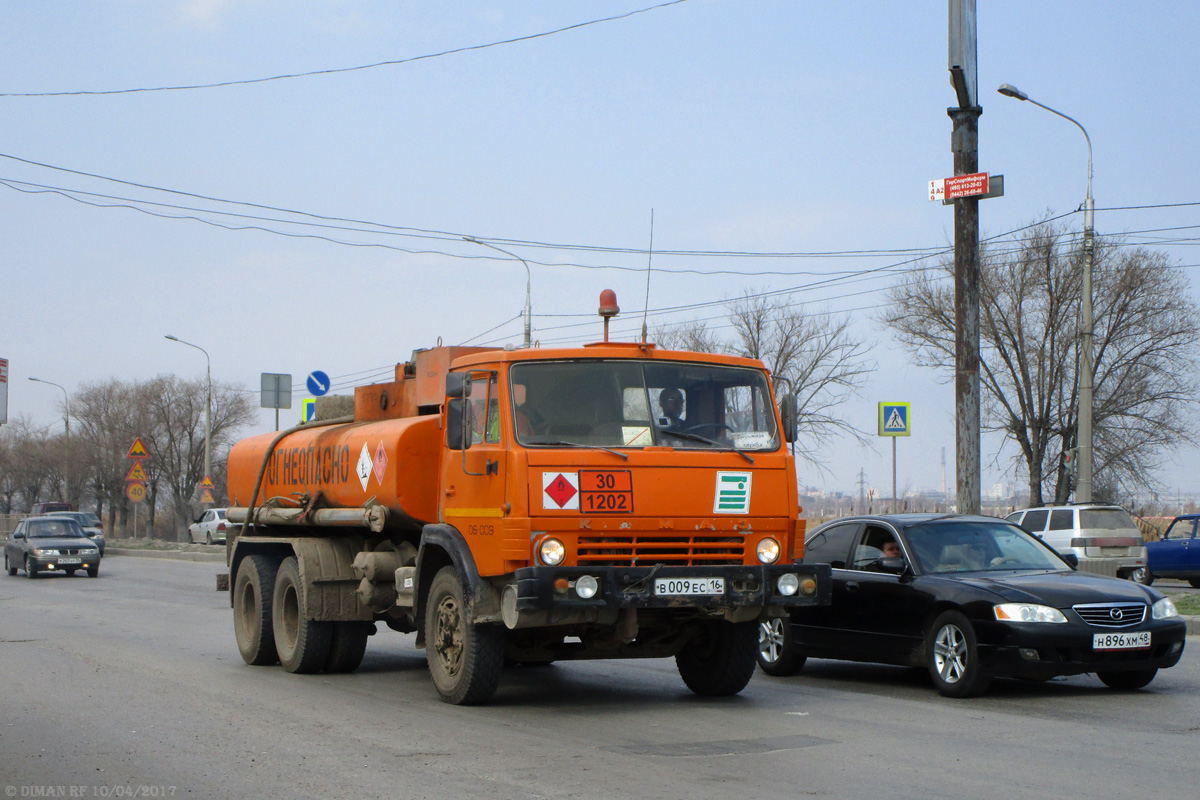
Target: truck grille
{"points": [[660, 548], [1111, 615]]}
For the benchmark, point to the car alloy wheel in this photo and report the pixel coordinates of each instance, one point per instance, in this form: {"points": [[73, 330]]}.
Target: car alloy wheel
{"points": [[954, 657]]}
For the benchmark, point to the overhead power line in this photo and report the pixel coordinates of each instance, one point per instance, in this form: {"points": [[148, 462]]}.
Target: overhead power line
{"points": [[338, 70]]}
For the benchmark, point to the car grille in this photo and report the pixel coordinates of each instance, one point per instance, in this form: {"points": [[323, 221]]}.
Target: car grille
{"points": [[660, 548], [1111, 615]]}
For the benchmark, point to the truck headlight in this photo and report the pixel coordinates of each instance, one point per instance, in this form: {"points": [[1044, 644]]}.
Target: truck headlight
{"points": [[586, 587], [788, 584], [768, 551], [552, 552]]}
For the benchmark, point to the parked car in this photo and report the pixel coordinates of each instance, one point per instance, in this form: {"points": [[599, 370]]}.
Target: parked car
{"points": [[43, 544], [1104, 539], [971, 598], [92, 527], [1177, 554], [209, 527]]}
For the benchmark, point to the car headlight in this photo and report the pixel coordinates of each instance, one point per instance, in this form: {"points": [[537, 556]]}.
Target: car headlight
{"points": [[552, 552], [768, 551], [44, 551], [1028, 612], [1164, 609]]}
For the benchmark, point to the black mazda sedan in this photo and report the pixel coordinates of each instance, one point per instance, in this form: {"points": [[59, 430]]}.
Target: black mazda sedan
{"points": [[971, 598]]}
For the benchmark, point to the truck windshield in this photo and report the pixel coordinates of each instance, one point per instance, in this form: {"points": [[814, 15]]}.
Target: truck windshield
{"points": [[624, 404]]}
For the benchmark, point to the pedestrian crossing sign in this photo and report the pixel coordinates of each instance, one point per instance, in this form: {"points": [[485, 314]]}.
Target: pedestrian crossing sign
{"points": [[894, 419]]}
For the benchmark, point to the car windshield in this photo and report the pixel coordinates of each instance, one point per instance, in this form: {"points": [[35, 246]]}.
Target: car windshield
{"points": [[978, 545], [55, 528], [625, 404]]}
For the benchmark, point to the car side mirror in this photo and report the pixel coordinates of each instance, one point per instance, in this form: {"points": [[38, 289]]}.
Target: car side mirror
{"points": [[1072, 560], [18, 536], [894, 565]]}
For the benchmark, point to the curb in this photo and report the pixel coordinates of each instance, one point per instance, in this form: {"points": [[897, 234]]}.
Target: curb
{"points": [[178, 555]]}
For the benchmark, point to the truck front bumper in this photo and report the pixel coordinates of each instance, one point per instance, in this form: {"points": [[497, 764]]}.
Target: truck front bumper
{"points": [[668, 587]]}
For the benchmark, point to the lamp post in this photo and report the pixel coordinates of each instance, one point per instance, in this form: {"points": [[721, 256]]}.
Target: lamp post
{"points": [[207, 406], [67, 426], [1083, 489], [528, 281]]}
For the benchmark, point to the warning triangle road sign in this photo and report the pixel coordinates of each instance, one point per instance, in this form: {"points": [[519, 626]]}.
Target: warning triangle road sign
{"points": [[207, 497], [138, 449], [206, 483], [137, 473]]}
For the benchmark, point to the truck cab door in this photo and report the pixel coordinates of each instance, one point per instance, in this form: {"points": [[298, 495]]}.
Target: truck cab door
{"points": [[473, 478]]}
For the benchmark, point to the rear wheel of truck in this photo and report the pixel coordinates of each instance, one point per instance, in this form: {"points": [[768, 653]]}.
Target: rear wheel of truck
{"points": [[301, 643], [252, 592], [721, 660], [465, 659], [347, 645]]}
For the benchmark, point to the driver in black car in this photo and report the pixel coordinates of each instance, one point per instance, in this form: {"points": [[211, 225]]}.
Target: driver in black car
{"points": [[671, 401]]}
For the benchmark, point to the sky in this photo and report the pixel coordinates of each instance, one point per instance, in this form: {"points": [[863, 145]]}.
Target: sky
{"points": [[738, 126]]}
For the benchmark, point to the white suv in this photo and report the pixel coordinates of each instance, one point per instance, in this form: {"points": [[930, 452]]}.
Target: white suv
{"points": [[1104, 539]]}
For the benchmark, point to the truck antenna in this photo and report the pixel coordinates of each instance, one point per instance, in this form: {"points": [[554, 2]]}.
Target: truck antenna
{"points": [[649, 258]]}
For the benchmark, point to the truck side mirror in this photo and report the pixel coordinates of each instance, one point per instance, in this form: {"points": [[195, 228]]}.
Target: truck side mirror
{"points": [[791, 414], [458, 384], [458, 421]]}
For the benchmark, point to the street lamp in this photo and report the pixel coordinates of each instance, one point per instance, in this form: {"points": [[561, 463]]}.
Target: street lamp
{"points": [[67, 425], [207, 406], [1083, 490], [528, 280]]}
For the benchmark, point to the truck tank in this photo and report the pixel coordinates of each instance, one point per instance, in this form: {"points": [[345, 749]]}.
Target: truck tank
{"points": [[387, 456]]}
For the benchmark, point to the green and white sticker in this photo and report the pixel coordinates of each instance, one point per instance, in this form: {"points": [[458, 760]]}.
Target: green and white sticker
{"points": [[733, 493]]}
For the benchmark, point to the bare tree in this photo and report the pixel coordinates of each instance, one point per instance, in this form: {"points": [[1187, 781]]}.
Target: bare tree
{"points": [[1030, 298], [816, 353], [177, 407]]}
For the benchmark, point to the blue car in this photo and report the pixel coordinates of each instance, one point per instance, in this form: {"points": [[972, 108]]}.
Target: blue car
{"points": [[1177, 554]]}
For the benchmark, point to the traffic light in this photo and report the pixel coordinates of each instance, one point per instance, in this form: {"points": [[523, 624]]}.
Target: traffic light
{"points": [[1070, 459]]}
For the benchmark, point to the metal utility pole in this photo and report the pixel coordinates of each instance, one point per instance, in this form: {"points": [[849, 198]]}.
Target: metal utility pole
{"points": [[964, 142]]}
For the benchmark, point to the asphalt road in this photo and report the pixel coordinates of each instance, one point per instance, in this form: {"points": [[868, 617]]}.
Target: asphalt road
{"points": [[130, 685]]}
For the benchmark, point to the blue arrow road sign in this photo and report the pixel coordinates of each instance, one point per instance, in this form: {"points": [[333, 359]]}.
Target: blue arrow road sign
{"points": [[318, 383]]}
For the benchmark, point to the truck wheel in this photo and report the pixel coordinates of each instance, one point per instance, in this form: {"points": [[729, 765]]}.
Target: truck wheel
{"points": [[347, 645], [721, 660], [252, 592], [302, 643], [465, 659], [778, 653]]}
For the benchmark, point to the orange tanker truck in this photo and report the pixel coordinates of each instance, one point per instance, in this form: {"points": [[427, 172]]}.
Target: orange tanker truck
{"points": [[522, 506]]}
